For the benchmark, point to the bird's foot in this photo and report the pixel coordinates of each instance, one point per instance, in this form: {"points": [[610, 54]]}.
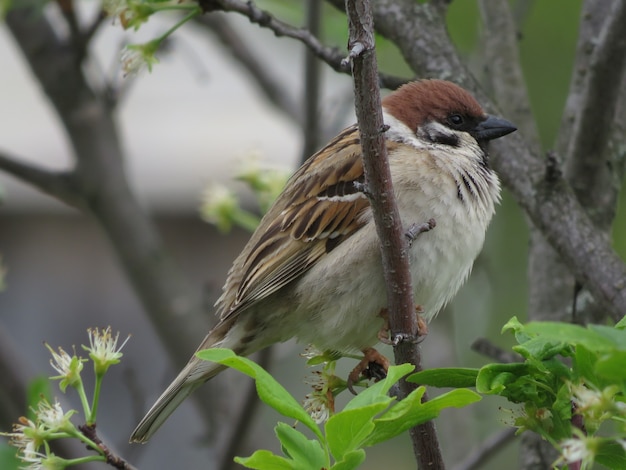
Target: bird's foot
{"points": [[373, 366], [384, 334]]}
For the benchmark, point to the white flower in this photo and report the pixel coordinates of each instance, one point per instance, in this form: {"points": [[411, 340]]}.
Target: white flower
{"points": [[316, 405], [51, 416], [114, 7], [61, 361], [321, 402], [133, 61], [311, 352], [581, 449], [68, 367], [103, 349], [584, 398]]}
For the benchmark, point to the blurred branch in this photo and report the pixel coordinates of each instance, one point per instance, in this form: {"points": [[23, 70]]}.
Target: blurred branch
{"points": [[495, 353], [312, 76], [401, 307], [490, 447], [100, 180], [421, 37], [241, 427], [597, 100], [551, 284], [273, 89], [504, 69], [56, 184], [331, 55]]}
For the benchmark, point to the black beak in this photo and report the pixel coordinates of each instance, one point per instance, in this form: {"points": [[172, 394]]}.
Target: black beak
{"points": [[492, 128]]}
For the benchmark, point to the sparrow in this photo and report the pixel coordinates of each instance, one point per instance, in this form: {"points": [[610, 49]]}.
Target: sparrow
{"points": [[312, 269]]}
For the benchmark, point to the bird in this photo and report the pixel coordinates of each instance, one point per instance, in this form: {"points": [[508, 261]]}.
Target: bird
{"points": [[312, 269]]}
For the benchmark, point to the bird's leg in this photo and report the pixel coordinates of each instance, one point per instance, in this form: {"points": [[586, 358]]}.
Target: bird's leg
{"points": [[422, 326], [373, 366], [384, 334]]}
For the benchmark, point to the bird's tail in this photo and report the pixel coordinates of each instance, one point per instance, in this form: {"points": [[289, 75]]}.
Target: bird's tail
{"points": [[195, 373], [179, 389]]}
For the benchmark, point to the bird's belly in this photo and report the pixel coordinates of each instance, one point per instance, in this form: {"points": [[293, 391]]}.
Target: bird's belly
{"points": [[344, 305]]}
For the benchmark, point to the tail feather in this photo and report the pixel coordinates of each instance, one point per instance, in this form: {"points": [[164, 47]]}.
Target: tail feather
{"points": [[191, 377]]}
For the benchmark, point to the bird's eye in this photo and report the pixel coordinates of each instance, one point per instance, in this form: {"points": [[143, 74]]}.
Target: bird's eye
{"points": [[455, 119]]}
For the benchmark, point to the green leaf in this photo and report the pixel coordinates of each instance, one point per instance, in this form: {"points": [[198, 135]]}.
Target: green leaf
{"points": [[378, 392], [305, 453], [350, 461], [454, 377], [613, 336], [584, 365], [597, 339], [345, 431], [37, 388], [411, 411], [270, 391], [265, 460], [621, 325], [494, 378], [543, 348], [612, 367], [611, 454], [8, 457]]}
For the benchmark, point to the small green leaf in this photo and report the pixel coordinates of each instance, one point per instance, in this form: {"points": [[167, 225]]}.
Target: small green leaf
{"points": [[350, 461], [612, 367], [611, 454], [494, 378], [543, 348], [270, 391], [592, 339], [374, 393], [345, 431], [454, 377], [304, 452], [621, 325], [37, 388], [265, 460], [8, 457], [411, 411], [584, 365]]}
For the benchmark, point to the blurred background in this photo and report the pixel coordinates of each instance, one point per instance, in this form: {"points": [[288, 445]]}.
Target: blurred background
{"points": [[194, 121]]}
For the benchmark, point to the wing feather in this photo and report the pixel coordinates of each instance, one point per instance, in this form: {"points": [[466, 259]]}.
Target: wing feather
{"points": [[321, 206]]}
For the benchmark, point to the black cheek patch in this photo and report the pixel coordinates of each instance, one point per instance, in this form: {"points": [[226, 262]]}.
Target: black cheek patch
{"points": [[446, 139]]}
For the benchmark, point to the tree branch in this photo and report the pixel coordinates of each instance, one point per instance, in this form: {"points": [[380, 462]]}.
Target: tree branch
{"points": [[487, 449], [595, 113], [100, 180], [312, 85], [59, 185], [402, 318], [503, 67], [331, 55], [273, 89], [421, 36]]}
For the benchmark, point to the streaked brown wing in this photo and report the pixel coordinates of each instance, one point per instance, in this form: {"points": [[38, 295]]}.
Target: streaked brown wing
{"points": [[320, 207]]}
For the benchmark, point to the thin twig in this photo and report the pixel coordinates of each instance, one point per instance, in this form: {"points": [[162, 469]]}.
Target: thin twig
{"points": [[272, 88], [56, 184], [331, 55], [504, 69], [112, 458], [312, 84], [488, 349], [402, 318], [487, 450]]}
